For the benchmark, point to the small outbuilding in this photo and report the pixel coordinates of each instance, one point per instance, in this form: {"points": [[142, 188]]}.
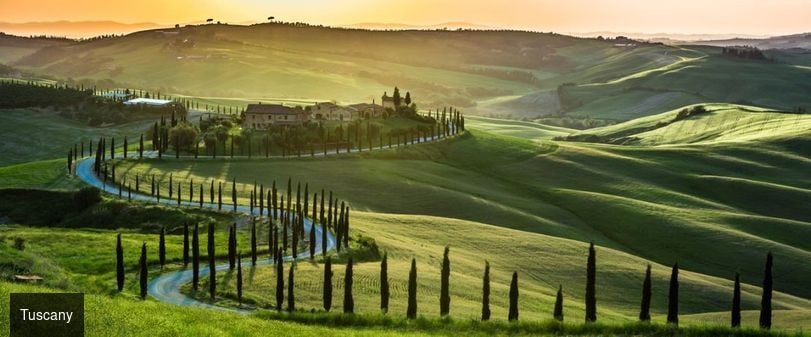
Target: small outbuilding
{"points": [[150, 102]]}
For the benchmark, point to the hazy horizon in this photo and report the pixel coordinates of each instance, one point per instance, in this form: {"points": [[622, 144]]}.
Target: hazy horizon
{"points": [[726, 17]]}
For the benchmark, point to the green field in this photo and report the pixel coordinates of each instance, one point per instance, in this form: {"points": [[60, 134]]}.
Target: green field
{"points": [[634, 200], [723, 123], [30, 134]]}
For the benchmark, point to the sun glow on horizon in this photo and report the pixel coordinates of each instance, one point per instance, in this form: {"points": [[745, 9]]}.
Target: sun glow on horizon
{"points": [[687, 16]]}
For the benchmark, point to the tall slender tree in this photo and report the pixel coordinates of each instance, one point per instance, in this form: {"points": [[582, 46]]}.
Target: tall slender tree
{"points": [[291, 297], [349, 300], [162, 247], [591, 278], [232, 239], [644, 310], [444, 292], [279, 280], [673, 297], [736, 302], [119, 263], [239, 279], [486, 292], [327, 298], [195, 260], [212, 265], [185, 245], [766, 299], [144, 272], [513, 312], [558, 311], [253, 241], [384, 283], [411, 310]]}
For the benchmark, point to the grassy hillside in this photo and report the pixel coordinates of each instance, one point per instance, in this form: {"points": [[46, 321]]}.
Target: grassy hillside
{"points": [[31, 134], [632, 199], [721, 123], [276, 61], [704, 76]]}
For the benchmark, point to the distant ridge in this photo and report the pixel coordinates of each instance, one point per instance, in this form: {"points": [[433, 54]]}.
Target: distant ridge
{"points": [[402, 26], [74, 29]]}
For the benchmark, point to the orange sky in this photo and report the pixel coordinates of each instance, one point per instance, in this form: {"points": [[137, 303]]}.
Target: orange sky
{"points": [[684, 16]]}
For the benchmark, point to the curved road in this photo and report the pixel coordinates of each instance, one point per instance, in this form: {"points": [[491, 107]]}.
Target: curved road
{"points": [[166, 287]]}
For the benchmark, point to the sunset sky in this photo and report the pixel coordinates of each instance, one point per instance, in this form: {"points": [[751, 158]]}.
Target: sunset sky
{"points": [[762, 17]]}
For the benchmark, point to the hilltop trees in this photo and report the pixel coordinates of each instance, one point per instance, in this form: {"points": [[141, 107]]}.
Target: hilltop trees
{"points": [[591, 278], [119, 263], [673, 297], [486, 292], [411, 310], [766, 300], [444, 293], [644, 310], [513, 311], [327, 298]]}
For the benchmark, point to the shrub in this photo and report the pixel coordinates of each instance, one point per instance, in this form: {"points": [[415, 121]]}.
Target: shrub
{"points": [[86, 197]]}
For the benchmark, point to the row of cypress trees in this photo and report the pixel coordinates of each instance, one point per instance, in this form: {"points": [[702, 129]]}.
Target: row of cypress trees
{"points": [[444, 300]]}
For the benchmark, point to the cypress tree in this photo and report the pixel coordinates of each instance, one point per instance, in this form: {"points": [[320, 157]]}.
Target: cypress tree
{"points": [[591, 278], [291, 298], [411, 310], [384, 283], [126, 147], [312, 240], [144, 272], [558, 312], [486, 292], [201, 195], [346, 228], [444, 292], [185, 245], [766, 300], [349, 300], [239, 280], [736, 302], [162, 247], [513, 313], [673, 297], [119, 263], [219, 196], [195, 261], [234, 192], [279, 280], [644, 310], [253, 241], [211, 193], [212, 266], [327, 284], [232, 246]]}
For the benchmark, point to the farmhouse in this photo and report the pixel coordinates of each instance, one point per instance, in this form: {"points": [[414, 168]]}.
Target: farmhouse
{"points": [[333, 112], [262, 116], [368, 110], [388, 102], [148, 102]]}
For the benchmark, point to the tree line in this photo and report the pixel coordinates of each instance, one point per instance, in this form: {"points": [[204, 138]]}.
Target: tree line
{"points": [[765, 320]]}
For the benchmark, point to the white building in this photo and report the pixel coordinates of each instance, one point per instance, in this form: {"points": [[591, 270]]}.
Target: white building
{"points": [[148, 102]]}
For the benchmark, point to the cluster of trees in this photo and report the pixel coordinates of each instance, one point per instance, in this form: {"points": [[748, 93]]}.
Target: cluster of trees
{"points": [[444, 293], [16, 94], [744, 52]]}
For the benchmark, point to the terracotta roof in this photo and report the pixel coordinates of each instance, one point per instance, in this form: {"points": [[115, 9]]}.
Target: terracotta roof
{"points": [[271, 109]]}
